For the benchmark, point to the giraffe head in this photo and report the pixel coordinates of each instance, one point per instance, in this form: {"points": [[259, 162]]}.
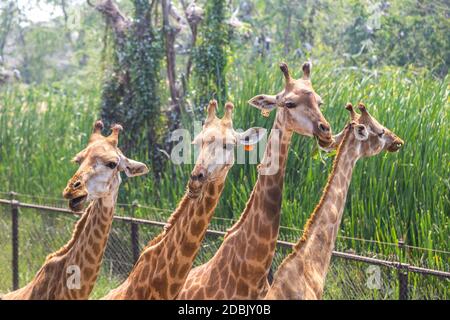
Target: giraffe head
{"points": [[99, 169], [301, 104], [369, 136], [216, 143]]}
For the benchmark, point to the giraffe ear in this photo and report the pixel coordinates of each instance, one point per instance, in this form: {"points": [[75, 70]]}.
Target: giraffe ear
{"points": [[264, 102], [251, 136], [361, 132], [78, 159], [132, 168], [198, 139]]}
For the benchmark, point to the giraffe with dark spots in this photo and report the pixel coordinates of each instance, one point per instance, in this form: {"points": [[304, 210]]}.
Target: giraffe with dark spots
{"points": [[173, 251], [302, 274], [297, 111], [71, 272]]}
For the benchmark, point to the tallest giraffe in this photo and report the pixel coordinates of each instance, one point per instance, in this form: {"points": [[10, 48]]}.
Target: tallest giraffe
{"points": [[240, 267]]}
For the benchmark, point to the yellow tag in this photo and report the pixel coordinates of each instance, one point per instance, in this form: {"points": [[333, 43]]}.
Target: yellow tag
{"points": [[265, 113]]}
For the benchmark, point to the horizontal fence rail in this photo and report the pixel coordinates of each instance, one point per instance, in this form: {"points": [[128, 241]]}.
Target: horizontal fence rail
{"points": [[402, 268]]}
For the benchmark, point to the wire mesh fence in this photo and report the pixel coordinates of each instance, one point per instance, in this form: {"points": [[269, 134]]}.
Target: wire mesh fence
{"points": [[42, 230]]}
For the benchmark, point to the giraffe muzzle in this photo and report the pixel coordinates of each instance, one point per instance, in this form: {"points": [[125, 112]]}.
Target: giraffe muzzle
{"points": [[199, 174], [77, 204], [396, 145], [198, 177], [323, 134], [77, 195]]}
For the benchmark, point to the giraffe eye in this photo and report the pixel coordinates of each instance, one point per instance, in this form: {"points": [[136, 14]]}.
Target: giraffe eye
{"points": [[290, 105], [227, 146], [381, 134], [111, 165]]}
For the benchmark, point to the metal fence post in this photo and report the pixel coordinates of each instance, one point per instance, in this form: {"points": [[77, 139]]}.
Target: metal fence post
{"points": [[15, 241], [135, 237], [135, 241], [402, 275]]}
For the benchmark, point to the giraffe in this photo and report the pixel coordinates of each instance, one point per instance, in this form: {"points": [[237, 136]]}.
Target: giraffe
{"points": [[302, 274], [166, 261], [240, 267], [71, 272]]}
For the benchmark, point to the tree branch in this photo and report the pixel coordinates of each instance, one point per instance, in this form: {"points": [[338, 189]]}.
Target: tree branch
{"points": [[113, 16]]}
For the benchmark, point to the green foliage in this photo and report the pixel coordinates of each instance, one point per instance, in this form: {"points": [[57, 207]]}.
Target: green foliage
{"points": [[416, 32], [39, 41], [211, 54], [44, 54], [408, 32], [359, 33]]}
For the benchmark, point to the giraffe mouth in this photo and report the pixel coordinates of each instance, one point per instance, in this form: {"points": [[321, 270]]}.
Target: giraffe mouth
{"points": [[395, 146], [194, 189], [76, 204], [324, 143]]}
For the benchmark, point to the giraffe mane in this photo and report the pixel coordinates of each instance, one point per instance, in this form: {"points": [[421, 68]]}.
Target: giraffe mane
{"points": [[79, 226], [170, 222], [169, 225], [312, 218], [243, 215], [252, 196]]}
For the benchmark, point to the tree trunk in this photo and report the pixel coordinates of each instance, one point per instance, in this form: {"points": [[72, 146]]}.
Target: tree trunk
{"points": [[7, 18], [287, 34], [210, 56], [66, 20], [131, 90], [193, 22], [169, 37]]}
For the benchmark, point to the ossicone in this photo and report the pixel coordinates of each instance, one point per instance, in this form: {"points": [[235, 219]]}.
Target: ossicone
{"points": [[114, 136], [307, 66], [211, 111], [284, 68], [98, 126]]}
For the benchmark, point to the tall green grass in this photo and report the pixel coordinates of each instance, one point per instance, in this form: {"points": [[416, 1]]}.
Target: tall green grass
{"points": [[392, 196]]}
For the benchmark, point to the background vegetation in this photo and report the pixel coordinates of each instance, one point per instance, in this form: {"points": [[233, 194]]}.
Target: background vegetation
{"points": [[392, 56]]}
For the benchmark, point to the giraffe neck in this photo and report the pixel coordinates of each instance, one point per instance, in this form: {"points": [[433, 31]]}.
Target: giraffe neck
{"points": [[302, 274], [87, 252], [162, 268], [265, 199], [252, 240], [71, 272]]}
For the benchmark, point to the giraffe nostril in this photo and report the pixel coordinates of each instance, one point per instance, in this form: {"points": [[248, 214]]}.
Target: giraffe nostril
{"points": [[199, 174], [324, 127], [76, 185]]}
